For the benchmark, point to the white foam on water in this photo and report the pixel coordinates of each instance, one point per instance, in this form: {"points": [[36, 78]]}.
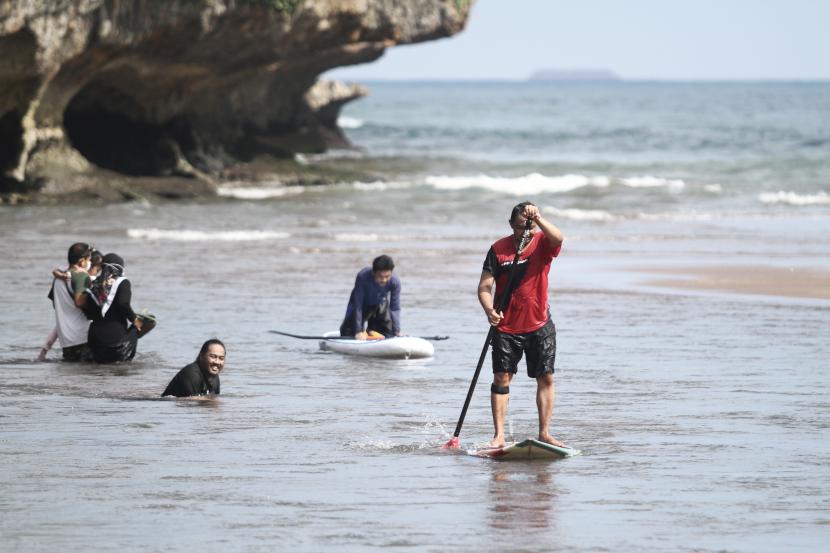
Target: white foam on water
{"points": [[374, 445], [257, 193], [599, 215], [676, 216], [713, 188], [791, 198], [653, 182], [206, 236], [380, 186], [346, 237], [346, 122], [581, 214], [370, 444], [376, 186], [533, 183]]}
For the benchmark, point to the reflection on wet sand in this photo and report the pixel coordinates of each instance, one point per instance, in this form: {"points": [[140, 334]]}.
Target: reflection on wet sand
{"points": [[523, 495]]}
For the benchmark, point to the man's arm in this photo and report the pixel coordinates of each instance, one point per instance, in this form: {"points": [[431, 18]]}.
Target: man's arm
{"points": [[552, 233], [485, 298], [395, 306], [357, 295], [62, 275]]}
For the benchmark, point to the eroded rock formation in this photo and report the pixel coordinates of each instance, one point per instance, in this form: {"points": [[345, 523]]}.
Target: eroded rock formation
{"points": [[184, 87]]}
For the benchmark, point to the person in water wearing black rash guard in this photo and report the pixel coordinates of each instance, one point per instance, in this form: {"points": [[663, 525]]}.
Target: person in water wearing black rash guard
{"points": [[112, 337], [201, 377]]}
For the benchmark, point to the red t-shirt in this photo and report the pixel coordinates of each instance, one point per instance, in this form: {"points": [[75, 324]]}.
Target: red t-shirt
{"points": [[527, 309]]}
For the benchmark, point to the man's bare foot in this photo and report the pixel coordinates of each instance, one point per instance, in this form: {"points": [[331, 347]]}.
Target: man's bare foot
{"points": [[497, 442], [548, 439]]}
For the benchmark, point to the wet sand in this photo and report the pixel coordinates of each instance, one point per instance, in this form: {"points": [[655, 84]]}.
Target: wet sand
{"points": [[768, 281]]}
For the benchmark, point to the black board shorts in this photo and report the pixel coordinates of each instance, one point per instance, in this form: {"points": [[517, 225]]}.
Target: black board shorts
{"points": [[378, 319], [539, 346]]}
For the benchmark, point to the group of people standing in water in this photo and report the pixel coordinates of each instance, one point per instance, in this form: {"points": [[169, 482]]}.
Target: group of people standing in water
{"points": [[95, 321]]}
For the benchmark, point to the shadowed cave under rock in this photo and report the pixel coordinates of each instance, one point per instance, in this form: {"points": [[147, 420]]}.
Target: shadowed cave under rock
{"points": [[120, 139]]}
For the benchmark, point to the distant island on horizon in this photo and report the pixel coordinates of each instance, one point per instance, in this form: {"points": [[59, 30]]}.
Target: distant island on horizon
{"points": [[574, 75]]}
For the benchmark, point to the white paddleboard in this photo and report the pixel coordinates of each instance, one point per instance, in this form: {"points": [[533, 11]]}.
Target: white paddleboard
{"points": [[527, 449], [398, 347]]}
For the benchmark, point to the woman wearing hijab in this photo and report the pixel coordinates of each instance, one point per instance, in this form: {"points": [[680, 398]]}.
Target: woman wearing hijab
{"points": [[115, 329]]}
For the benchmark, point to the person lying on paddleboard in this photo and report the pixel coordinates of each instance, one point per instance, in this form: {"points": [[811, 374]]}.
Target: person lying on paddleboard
{"points": [[525, 326], [200, 378], [375, 302]]}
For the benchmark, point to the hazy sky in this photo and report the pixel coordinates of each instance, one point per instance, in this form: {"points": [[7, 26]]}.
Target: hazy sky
{"points": [[637, 39]]}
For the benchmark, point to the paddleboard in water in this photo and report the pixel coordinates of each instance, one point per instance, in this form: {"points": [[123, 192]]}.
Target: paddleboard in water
{"points": [[398, 347], [527, 449]]}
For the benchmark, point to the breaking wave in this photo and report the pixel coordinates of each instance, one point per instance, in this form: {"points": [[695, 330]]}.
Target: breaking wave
{"points": [[356, 237], [264, 193], [791, 198], [533, 183], [536, 183], [345, 122], [653, 182], [581, 214], [379, 186], [206, 236]]}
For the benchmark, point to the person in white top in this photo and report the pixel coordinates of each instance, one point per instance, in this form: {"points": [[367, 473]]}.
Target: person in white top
{"points": [[68, 299], [94, 270]]}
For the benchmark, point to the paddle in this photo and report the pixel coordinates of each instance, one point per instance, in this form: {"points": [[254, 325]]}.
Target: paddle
{"points": [[455, 442], [434, 338]]}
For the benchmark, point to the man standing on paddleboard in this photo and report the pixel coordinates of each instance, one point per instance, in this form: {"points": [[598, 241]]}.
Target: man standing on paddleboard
{"points": [[375, 302], [524, 327]]}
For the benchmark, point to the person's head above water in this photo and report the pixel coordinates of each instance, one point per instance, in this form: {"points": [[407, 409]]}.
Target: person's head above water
{"points": [[211, 357], [112, 266], [78, 252], [382, 267]]}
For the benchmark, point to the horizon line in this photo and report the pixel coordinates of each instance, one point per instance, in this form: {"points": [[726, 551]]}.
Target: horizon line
{"points": [[605, 81]]}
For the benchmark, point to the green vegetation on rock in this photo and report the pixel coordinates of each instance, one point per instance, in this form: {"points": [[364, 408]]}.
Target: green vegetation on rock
{"points": [[462, 5]]}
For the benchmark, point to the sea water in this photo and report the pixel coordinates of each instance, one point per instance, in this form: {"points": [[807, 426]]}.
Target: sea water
{"points": [[703, 416]]}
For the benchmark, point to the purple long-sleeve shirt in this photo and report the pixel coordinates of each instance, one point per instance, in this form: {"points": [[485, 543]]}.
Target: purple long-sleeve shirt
{"points": [[367, 294]]}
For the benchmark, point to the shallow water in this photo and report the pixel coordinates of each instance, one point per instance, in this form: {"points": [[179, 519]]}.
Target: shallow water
{"points": [[702, 416]]}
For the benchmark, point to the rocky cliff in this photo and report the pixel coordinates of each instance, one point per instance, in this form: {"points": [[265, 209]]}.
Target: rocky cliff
{"points": [[133, 89]]}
